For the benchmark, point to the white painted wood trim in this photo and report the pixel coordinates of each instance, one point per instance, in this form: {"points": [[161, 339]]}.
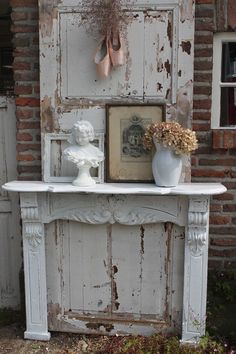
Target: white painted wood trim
{"points": [[195, 270], [34, 270], [117, 188], [47, 157], [218, 40], [195, 217]]}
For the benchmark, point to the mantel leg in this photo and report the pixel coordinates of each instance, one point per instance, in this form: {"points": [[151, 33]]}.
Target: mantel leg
{"points": [[34, 269], [35, 282], [195, 270]]}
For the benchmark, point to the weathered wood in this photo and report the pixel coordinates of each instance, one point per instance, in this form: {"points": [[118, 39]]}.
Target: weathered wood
{"points": [[115, 263], [158, 67], [10, 241]]}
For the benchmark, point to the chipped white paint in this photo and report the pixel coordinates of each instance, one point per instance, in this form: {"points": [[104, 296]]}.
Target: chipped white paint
{"points": [[158, 68], [10, 249], [102, 248], [56, 168], [117, 188], [195, 276]]}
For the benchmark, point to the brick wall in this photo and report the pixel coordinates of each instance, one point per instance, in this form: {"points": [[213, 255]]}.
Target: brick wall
{"points": [[215, 160], [216, 156], [26, 76]]}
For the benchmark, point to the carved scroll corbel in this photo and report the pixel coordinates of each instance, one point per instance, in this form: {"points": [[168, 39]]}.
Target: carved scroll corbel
{"points": [[197, 226], [33, 233]]}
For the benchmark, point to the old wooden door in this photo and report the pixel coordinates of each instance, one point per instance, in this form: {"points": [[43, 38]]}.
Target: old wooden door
{"points": [[10, 240], [158, 68]]}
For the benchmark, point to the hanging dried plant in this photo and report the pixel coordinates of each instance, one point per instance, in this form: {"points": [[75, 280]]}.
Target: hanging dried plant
{"points": [[101, 18]]}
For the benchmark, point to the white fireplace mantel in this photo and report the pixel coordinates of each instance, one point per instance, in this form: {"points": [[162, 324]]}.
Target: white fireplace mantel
{"points": [[186, 205]]}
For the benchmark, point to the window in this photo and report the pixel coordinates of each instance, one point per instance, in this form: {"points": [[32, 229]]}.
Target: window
{"points": [[6, 58], [224, 81]]}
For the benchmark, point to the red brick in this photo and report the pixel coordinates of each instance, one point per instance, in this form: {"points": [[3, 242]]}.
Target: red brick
{"points": [[202, 77], [230, 185], [24, 3], [26, 101], [24, 113], [37, 89], [35, 40], [202, 65], [31, 169], [231, 15], [204, 24], [28, 125], [26, 76], [223, 241], [202, 104], [19, 16], [25, 52], [205, 2], [208, 173], [204, 12], [203, 137], [201, 115], [215, 161], [202, 90], [201, 126], [224, 196], [30, 177], [23, 90], [25, 157], [223, 230], [222, 252], [229, 139], [21, 41], [207, 39], [28, 147], [229, 207], [217, 139], [203, 150], [194, 161], [219, 219], [203, 52], [21, 66], [215, 208], [34, 15], [23, 29], [24, 137]]}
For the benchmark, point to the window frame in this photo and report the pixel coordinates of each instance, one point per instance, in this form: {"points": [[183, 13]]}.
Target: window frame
{"points": [[217, 84]]}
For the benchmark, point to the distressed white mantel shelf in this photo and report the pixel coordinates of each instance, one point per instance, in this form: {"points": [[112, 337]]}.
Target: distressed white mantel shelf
{"points": [[186, 205], [117, 188]]}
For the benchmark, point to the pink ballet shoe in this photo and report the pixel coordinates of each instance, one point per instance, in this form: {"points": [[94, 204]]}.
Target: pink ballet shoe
{"points": [[116, 50], [102, 59]]}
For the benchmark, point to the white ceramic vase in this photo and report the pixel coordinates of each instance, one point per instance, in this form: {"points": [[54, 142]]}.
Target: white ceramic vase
{"points": [[166, 166]]}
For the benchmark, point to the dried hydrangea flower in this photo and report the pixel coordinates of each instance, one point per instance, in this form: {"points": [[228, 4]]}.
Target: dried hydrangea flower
{"points": [[172, 135]]}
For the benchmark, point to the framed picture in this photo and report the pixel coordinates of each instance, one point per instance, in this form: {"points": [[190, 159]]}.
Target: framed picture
{"points": [[58, 169], [126, 158]]}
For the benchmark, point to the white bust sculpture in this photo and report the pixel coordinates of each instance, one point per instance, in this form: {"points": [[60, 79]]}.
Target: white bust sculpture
{"points": [[83, 154]]}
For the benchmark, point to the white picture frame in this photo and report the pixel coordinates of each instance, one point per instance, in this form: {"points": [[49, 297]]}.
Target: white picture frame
{"points": [[54, 164]]}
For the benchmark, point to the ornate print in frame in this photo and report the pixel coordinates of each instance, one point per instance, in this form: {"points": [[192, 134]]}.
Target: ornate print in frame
{"points": [[126, 159]]}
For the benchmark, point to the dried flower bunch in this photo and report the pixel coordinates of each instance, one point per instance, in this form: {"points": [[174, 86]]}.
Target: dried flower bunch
{"points": [[104, 17], [172, 135]]}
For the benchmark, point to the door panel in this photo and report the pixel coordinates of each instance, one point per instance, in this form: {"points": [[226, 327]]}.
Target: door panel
{"points": [[10, 240]]}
